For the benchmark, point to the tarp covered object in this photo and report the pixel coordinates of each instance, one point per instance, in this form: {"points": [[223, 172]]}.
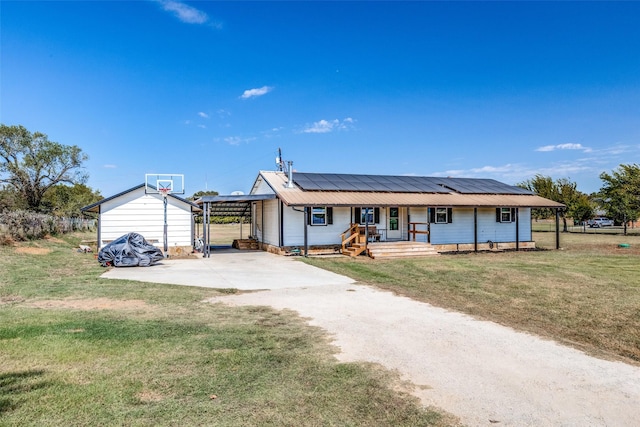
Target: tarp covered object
{"points": [[130, 250]]}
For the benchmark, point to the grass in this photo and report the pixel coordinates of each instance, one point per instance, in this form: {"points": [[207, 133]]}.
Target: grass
{"points": [[78, 350], [586, 295], [225, 234]]}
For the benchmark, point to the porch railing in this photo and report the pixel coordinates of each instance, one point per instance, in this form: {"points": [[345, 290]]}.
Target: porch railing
{"points": [[413, 230]]}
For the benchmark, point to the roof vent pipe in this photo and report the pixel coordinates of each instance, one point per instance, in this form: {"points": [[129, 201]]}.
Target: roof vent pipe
{"points": [[290, 183]]}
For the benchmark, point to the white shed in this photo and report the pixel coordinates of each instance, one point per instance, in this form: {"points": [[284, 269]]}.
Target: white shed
{"points": [[135, 211]]}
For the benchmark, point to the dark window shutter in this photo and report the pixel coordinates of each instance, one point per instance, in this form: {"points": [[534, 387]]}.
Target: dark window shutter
{"points": [[513, 214], [307, 211], [449, 215], [498, 215], [376, 215], [357, 216], [432, 215], [329, 215]]}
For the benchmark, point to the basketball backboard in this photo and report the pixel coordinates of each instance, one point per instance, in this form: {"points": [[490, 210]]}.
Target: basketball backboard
{"points": [[155, 183]]}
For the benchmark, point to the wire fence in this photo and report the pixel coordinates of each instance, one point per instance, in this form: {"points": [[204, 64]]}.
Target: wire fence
{"points": [[550, 226]]}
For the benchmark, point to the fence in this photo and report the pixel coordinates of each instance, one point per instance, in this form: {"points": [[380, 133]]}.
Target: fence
{"points": [[25, 225]]}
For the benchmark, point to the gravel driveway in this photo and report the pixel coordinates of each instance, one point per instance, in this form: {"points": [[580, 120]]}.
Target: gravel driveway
{"points": [[484, 373]]}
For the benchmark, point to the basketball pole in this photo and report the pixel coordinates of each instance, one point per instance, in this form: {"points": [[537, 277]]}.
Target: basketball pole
{"points": [[164, 237]]}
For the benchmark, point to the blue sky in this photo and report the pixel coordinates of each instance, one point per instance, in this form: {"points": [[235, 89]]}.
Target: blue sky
{"points": [[502, 90]]}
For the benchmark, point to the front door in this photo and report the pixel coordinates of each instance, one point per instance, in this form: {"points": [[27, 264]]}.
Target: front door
{"points": [[393, 224]]}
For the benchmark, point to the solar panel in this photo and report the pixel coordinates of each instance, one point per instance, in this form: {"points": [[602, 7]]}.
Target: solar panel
{"points": [[366, 183], [481, 186], [402, 184]]}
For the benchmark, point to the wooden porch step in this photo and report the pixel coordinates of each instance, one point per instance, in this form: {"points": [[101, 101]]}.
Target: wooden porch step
{"points": [[400, 250]]}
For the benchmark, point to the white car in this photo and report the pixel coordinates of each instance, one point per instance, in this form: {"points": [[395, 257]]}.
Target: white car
{"points": [[600, 222]]}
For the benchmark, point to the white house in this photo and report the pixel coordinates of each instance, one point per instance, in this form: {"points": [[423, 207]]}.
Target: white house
{"points": [[135, 211], [298, 212]]}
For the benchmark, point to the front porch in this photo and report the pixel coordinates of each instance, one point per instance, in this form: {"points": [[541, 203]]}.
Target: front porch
{"points": [[368, 239]]}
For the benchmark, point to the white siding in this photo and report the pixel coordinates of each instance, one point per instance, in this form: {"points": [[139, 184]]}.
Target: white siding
{"points": [[269, 231], [461, 229], [144, 214], [329, 234]]}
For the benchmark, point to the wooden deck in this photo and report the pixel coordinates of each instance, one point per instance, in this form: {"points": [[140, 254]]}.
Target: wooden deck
{"points": [[384, 250]]}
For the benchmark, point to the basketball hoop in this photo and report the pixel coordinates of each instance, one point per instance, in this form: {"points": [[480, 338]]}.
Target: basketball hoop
{"points": [[164, 192]]}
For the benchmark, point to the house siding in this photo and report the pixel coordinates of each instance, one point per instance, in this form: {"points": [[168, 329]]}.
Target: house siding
{"points": [[269, 231], [460, 230]]}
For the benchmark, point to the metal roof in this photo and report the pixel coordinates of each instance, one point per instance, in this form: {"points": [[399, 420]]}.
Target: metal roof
{"points": [[297, 196], [232, 205]]}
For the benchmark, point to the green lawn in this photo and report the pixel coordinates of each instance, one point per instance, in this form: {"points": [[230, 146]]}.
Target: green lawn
{"points": [[586, 294], [77, 350]]}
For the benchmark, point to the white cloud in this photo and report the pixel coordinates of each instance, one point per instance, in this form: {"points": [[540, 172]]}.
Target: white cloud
{"points": [[185, 13], [567, 146], [110, 166], [203, 115], [236, 140], [325, 126], [322, 126], [251, 93]]}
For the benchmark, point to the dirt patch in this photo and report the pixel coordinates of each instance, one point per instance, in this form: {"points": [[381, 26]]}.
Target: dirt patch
{"points": [[54, 239], [30, 250], [148, 396], [91, 304], [10, 299]]}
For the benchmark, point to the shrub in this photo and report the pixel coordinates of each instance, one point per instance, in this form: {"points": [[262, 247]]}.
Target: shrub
{"points": [[25, 225]]}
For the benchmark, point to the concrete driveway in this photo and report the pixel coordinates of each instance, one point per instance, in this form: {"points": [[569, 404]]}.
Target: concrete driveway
{"points": [[231, 268]]}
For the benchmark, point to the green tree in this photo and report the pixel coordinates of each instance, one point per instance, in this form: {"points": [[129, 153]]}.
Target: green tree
{"points": [[563, 191], [30, 164], [66, 200], [620, 194]]}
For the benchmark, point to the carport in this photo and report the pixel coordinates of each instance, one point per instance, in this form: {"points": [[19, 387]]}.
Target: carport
{"points": [[229, 205]]}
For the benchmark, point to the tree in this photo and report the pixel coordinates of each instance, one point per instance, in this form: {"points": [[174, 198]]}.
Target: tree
{"points": [[199, 194], [65, 200], [30, 164], [620, 194], [563, 191]]}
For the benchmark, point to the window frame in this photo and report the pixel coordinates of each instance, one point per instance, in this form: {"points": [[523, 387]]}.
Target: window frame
{"points": [[503, 213], [325, 212], [374, 213]]}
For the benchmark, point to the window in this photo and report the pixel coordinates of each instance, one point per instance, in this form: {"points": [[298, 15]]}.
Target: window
{"points": [[367, 215], [505, 214], [320, 215], [440, 215]]}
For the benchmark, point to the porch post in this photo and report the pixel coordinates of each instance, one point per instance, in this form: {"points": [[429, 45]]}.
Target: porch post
{"points": [[557, 229], [517, 229], [475, 229], [366, 228], [306, 222]]}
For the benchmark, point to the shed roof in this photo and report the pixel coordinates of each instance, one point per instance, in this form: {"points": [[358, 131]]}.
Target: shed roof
{"points": [[470, 192], [94, 207]]}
